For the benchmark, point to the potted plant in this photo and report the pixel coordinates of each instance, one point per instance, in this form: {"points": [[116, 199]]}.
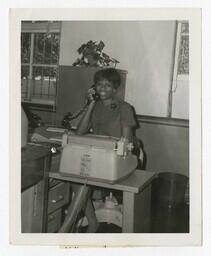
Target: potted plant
{"points": [[92, 55]]}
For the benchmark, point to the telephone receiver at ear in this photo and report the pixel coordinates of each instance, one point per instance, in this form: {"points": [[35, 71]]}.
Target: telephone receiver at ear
{"points": [[92, 93]]}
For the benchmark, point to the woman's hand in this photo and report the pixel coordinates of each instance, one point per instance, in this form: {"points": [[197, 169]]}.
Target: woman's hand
{"points": [[91, 95]]}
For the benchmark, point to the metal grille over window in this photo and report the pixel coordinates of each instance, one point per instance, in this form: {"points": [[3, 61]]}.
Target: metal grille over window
{"points": [[183, 62], [39, 62]]}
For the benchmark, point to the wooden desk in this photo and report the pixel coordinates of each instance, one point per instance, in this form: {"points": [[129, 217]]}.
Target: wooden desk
{"points": [[136, 198], [33, 162]]}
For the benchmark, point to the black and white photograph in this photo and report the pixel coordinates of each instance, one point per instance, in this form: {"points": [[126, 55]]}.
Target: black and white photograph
{"points": [[109, 112]]}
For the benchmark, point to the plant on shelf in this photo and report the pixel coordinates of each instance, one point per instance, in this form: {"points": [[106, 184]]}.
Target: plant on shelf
{"points": [[92, 55]]}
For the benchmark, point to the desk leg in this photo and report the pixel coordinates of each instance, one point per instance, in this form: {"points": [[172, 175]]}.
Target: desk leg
{"points": [[45, 194], [128, 212], [137, 211]]}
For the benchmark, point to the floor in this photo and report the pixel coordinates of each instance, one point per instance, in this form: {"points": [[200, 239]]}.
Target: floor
{"points": [[104, 228], [163, 220], [165, 217]]}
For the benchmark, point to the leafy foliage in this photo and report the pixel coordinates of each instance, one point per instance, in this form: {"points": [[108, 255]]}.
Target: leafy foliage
{"points": [[92, 55]]}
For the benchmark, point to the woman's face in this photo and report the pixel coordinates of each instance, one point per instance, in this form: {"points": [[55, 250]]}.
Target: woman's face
{"points": [[105, 89]]}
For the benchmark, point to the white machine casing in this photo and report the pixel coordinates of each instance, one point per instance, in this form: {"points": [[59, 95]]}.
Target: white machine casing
{"points": [[101, 158]]}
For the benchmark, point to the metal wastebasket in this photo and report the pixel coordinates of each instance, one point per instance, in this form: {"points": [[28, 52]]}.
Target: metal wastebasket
{"points": [[170, 189], [169, 214]]}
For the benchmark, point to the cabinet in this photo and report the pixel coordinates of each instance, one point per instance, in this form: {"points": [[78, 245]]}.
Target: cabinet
{"points": [[58, 196], [41, 201], [73, 85], [32, 209], [34, 186]]}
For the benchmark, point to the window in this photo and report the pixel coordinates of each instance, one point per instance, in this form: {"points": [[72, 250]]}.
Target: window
{"points": [[39, 63], [183, 58], [179, 94]]}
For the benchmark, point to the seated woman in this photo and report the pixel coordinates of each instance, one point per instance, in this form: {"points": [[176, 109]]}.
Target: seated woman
{"points": [[108, 115]]}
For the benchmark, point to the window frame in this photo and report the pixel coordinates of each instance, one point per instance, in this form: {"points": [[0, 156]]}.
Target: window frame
{"points": [[177, 76], [35, 27]]}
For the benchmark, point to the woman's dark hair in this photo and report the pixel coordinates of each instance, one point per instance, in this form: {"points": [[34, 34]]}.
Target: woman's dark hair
{"points": [[110, 74]]}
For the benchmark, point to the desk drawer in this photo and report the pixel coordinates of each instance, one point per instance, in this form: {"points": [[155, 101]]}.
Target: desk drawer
{"points": [[58, 196], [54, 221]]}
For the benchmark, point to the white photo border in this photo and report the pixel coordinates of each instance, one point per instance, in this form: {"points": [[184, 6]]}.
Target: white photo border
{"points": [[195, 157]]}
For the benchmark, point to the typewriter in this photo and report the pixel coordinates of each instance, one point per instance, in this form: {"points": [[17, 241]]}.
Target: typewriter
{"points": [[101, 158]]}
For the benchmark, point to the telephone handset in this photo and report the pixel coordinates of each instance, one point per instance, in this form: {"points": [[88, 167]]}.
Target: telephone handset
{"points": [[69, 117], [93, 93]]}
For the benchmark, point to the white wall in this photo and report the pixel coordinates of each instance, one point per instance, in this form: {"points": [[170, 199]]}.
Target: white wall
{"points": [[144, 49]]}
